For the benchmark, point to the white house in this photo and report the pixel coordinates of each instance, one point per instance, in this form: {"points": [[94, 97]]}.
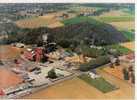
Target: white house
{"points": [[93, 75]]}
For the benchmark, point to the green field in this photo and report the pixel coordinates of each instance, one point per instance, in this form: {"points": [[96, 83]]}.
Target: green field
{"points": [[99, 83], [116, 19], [98, 20], [129, 35], [80, 20], [128, 11], [119, 49]]}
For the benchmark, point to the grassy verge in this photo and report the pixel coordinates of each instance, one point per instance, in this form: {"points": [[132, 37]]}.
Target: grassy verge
{"points": [[99, 83]]}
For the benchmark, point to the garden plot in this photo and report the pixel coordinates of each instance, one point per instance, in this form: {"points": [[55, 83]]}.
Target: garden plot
{"points": [[99, 83]]}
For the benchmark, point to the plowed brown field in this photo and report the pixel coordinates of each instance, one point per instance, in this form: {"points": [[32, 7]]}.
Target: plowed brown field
{"points": [[8, 78], [124, 25], [78, 89], [129, 45], [9, 52], [48, 20]]}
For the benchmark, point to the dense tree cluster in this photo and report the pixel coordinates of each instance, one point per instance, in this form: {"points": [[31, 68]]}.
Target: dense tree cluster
{"points": [[102, 34], [71, 35], [90, 52], [52, 74]]}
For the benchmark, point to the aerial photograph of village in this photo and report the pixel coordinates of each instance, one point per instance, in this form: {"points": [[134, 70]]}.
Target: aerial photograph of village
{"points": [[67, 51]]}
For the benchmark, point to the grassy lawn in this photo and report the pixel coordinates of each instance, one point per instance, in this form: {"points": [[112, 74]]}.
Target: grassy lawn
{"points": [[99, 83], [116, 19]]}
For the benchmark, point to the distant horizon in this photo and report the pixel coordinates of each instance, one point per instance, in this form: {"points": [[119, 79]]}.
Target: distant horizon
{"points": [[67, 1]]}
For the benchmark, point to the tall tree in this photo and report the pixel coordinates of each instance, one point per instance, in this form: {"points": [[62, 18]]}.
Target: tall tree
{"points": [[52, 74]]}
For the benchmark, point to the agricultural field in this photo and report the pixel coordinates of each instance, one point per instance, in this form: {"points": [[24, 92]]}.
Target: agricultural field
{"points": [[77, 20], [115, 18], [125, 90], [8, 78], [88, 92], [9, 52], [99, 83], [114, 13], [41, 21], [32, 23], [120, 22], [117, 72], [129, 35], [73, 89], [118, 18], [129, 45], [72, 33], [127, 25]]}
